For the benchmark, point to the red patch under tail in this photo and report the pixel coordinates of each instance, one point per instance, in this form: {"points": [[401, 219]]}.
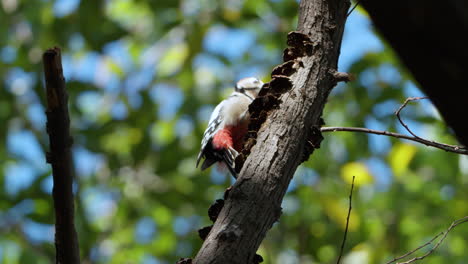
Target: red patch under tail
{"points": [[223, 139], [230, 137]]}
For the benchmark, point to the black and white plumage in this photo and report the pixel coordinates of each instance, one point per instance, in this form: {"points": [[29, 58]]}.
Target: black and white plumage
{"points": [[227, 126]]}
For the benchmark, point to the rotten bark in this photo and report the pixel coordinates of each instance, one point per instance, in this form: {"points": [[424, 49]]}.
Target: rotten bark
{"points": [[428, 37], [60, 157], [282, 134]]}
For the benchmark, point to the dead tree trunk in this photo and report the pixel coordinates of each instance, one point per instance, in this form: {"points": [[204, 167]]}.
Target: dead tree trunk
{"points": [[282, 134]]}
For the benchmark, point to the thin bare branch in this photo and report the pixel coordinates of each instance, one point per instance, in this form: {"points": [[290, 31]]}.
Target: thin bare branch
{"points": [[416, 249], [354, 7], [397, 113], [448, 148], [443, 234], [347, 222]]}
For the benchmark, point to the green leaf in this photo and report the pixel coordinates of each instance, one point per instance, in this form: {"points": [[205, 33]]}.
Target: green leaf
{"points": [[173, 59], [359, 170], [400, 157]]}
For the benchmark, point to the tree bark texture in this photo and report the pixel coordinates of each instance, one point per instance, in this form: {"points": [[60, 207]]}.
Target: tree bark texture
{"points": [[60, 157], [429, 37], [283, 132]]}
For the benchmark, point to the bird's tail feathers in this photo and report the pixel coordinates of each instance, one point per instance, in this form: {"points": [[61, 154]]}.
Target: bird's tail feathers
{"points": [[226, 156], [229, 158], [207, 163]]}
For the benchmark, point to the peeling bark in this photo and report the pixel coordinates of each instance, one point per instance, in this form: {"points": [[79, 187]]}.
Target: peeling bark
{"points": [[282, 134]]}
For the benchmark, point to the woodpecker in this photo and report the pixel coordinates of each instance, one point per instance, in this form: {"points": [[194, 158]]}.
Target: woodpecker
{"points": [[227, 127]]}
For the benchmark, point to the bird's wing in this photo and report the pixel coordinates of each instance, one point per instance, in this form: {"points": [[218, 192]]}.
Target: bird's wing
{"points": [[213, 126]]}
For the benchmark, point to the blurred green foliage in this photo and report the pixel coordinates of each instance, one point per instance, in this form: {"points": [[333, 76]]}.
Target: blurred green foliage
{"points": [[143, 77]]}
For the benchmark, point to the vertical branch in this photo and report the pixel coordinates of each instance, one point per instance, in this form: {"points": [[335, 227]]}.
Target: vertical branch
{"points": [[347, 222], [60, 157]]}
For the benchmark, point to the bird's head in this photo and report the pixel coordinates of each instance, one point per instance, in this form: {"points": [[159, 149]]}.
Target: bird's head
{"points": [[249, 85]]}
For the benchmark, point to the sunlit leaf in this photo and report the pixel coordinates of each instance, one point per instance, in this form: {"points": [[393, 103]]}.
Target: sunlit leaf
{"points": [[359, 254], [135, 16], [338, 212], [163, 132], [326, 253], [114, 67], [122, 140], [400, 158], [357, 169], [162, 215], [457, 245], [173, 59], [165, 243]]}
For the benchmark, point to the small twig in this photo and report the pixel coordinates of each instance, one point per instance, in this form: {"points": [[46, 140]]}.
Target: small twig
{"points": [[397, 113], [416, 249], [443, 234], [448, 148], [60, 157], [352, 9], [347, 221]]}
